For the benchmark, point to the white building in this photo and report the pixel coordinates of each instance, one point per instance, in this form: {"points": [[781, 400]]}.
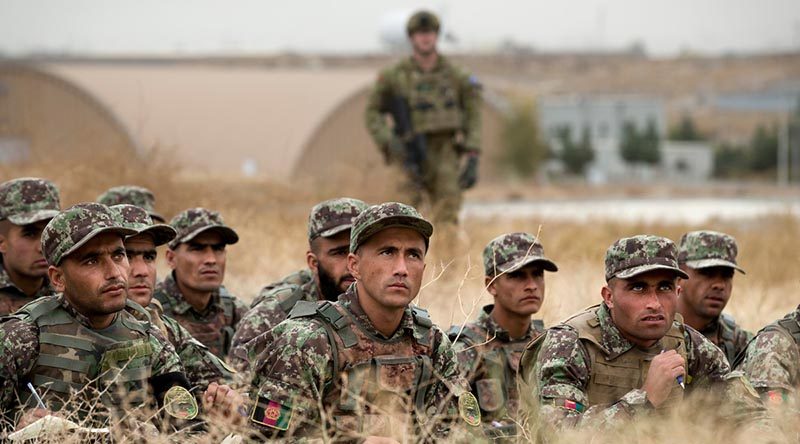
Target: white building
{"points": [[604, 117]]}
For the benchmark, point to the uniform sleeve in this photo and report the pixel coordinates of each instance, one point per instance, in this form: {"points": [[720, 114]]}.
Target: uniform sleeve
{"points": [[19, 349], [561, 375], [375, 116], [201, 366], [707, 363], [444, 397], [260, 318], [166, 358], [289, 377], [471, 102], [772, 363]]}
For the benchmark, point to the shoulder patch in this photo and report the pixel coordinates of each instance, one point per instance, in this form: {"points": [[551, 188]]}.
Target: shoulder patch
{"points": [[272, 414], [468, 409]]}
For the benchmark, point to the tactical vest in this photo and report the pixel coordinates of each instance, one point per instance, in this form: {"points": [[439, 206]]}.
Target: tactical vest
{"points": [[614, 375], [788, 325], [434, 99], [497, 390], [377, 381], [112, 364], [215, 333], [727, 340]]}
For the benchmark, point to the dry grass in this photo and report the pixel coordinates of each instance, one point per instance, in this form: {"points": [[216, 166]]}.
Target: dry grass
{"points": [[271, 221]]}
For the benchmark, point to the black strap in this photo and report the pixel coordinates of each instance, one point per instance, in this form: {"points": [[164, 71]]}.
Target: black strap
{"points": [[423, 320], [340, 323], [287, 304]]}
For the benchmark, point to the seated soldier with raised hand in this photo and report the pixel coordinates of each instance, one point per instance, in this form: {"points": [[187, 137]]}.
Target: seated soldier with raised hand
{"points": [[370, 364], [630, 356], [193, 293], [200, 365], [489, 348], [26, 205], [329, 243], [83, 352]]}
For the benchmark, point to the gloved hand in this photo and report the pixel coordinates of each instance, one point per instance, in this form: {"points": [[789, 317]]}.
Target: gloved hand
{"points": [[469, 174]]}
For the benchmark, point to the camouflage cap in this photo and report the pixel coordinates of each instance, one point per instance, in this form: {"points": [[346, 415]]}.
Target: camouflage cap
{"points": [[386, 215], [28, 200], [333, 216], [703, 249], [513, 251], [131, 195], [635, 255], [136, 218], [422, 21], [194, 221], [77, 225]]}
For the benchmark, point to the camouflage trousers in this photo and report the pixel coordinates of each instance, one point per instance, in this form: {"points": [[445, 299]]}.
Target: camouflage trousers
{"points": [[440, 190]]}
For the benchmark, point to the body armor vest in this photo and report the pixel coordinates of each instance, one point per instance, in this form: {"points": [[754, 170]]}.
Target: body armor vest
{"points": [[497, 389], [377, 381], [215, 333], [612, 376], [112, 364], [434, 99]]}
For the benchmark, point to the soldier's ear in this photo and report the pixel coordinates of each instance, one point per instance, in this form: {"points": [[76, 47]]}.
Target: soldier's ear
{"points": [[3, 244], [488, 282], [56, 277], [312, 261], [170, 255], [607, 296], [353, 261]]}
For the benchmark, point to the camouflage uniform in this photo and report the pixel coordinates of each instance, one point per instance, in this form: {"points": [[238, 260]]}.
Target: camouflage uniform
{"points": [[201, 366], [586, 373], [213, 326], [294, 279], [488, 357], [329, 356], [132, 195], [273, 304], [50, 344], [703, 249], [445, 107], [772, 361], [22, 202]]}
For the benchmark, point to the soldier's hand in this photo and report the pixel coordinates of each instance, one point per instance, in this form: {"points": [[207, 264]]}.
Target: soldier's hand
{"points": [[661, 378], [31, 416], [469, 175], [222, 401]]}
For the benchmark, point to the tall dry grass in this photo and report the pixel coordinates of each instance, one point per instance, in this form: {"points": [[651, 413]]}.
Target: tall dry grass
{"points": [[271, 220]]}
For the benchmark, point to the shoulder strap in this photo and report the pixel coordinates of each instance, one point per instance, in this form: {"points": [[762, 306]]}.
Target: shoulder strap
{"points": [[423, 323], [340, 323], [792, 327], [296, 294], [41, 307], [303, 309], [468, 335]]}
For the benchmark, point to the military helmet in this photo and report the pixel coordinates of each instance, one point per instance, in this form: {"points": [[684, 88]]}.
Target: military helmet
{"points": [[422, 21]]}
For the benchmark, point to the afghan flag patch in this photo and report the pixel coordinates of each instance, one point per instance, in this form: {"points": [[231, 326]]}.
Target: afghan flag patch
{"points": [[271, 414], [776, 397]]}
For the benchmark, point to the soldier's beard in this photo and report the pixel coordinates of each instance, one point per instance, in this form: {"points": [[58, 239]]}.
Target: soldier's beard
{"points": [[329, 286]]}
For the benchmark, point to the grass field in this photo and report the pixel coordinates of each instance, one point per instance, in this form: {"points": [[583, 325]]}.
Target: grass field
{"points": [[271, 221]]}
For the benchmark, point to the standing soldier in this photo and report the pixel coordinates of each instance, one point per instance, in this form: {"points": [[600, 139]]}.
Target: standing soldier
{"points": [[193, 293], [329, 243], [370, 364], [201, 366], [709, 259], [26, 205], [132, 195], [489, 348], [435, 109], [631, 355]]}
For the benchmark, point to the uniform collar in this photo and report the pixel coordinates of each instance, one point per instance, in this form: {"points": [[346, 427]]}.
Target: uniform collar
{"points": [[179, 304], [495, 330], [612, 340], [441, 61], [73, 312], [7, 284], [349, 301]]}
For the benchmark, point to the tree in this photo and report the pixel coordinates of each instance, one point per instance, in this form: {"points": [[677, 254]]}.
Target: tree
{"points": [[730, 161], [686, 130], [764, 149], [524, 150], [575, 156], [640, 147]]}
